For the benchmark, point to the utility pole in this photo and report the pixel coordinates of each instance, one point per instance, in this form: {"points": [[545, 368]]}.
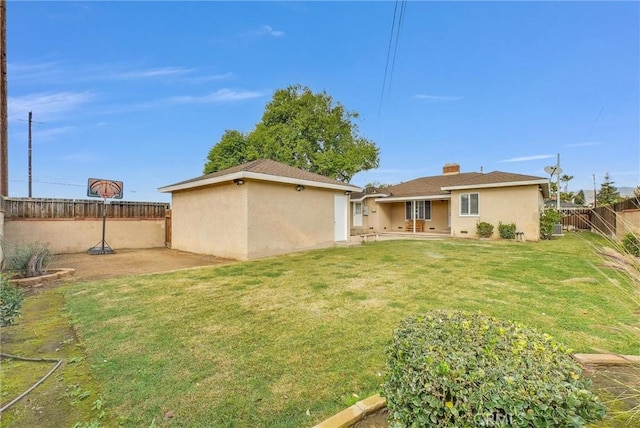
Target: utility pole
{"points": [[595, 196], [4, 128], [558, 183], [30, 120]]}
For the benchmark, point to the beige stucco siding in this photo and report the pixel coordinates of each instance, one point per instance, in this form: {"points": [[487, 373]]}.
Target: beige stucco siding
{"points": [[77, 235], [282, 220], [211, 220], [517, 204], [627, 222]]}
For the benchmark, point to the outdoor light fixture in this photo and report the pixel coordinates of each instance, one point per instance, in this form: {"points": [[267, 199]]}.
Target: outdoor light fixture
{"points": [[238, 181], [347, 193], [299, 187]]}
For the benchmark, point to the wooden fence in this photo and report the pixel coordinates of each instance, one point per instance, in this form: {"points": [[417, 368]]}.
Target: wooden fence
{"points": [[600, 219], [24, 208]]}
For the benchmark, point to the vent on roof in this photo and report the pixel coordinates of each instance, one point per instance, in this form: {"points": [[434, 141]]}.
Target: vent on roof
{"points": [[451, 168]]}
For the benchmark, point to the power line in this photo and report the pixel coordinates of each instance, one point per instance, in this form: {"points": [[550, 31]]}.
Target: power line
{"points": [[395, 30], [386, 66]]}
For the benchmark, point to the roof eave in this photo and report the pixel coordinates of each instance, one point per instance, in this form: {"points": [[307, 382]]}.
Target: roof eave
{"points": [[256, 176], [491, 185], [414, 198]]}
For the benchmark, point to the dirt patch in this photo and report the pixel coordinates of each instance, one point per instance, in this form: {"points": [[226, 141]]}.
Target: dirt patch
{"points": [[132, 262]]}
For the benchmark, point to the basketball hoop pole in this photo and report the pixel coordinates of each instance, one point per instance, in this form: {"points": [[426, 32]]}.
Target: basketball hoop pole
{"points": [[99, 188], [104, 220]]}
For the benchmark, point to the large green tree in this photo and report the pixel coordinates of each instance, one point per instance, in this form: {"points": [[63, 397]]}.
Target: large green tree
{"points": [[303, 129], [608, 193]]}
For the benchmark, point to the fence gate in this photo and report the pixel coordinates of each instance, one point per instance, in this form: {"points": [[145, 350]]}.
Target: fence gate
{"points": [[167, 229]]}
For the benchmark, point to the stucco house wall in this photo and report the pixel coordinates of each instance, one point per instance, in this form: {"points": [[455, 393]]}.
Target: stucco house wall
{"points": [[517, 204], [627, 221], [211, 220], [282, 219]]}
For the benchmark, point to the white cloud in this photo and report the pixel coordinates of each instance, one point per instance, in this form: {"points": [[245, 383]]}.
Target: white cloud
{"points": [[585, 144], [428, 97], [221, 95], [261, 32], [527, 158], [148, 73], [46, 106], [269, 31]]}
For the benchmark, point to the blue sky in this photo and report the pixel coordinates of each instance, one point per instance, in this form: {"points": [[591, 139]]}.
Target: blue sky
{"points": [[140, 91]]}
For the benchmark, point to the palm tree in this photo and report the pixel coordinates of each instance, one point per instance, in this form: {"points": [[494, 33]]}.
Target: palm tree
{"points": [[566, 179]]}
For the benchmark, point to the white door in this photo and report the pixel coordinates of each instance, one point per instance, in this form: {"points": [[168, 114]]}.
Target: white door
{"points": [[357, 214], [340, 218]]}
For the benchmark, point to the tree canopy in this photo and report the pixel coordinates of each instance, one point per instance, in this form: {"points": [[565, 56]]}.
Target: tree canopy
{"points": [[608, 193], [302, 129]]}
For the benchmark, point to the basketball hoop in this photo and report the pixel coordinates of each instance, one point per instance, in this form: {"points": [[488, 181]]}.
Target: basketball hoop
{"points": [[105, 189]]}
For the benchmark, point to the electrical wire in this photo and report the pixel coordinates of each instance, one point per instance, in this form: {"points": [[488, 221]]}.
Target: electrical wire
{"points": [[395, 31]]}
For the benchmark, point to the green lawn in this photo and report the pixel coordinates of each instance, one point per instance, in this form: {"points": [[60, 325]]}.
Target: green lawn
{"points": [[287, 341]]}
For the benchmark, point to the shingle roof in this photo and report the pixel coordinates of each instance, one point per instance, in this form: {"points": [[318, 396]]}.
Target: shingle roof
{"points": [[265, 167], [433, 186]]}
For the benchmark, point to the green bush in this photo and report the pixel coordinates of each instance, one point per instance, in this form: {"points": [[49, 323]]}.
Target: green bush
{"points": [[507, 231], [27, 260], [548, 219], [484, 229], [453, 369], [11, 298], [631, 244]]}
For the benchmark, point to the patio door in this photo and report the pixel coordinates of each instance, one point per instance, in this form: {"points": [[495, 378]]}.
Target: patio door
{"points": [[340, 218], [357, 214]]}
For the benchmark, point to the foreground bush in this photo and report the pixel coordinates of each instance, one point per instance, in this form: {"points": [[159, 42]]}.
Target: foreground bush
{"points": [[11, 298], [452, 369], [484, 229], [507, 231], [631, 244], [548, 220], [28, 260]]}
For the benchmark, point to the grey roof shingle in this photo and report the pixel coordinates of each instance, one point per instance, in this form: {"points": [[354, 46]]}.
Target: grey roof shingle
{"points": [[432, 186], [267, 167]]}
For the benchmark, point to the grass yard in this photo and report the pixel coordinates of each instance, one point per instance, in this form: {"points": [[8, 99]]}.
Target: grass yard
{"points": [[288, 341]]}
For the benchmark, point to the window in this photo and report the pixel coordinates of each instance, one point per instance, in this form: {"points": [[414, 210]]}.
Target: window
{"points": [[469, 204], [423, 210]]}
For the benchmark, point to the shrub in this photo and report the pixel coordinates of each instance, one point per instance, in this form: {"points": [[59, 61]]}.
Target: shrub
{"points": [[11, 298], [548, 219], [631, 244], [28, 260], [452, 369], [484, 229], [507, 231]]}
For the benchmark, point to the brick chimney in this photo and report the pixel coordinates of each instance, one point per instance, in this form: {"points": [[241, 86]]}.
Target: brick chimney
{"points": [[450, 169]]}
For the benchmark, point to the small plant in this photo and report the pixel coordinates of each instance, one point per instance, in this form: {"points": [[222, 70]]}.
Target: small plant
{"points": [[631, 244], [11, 299], [548, 220], [453, 369], [484, 229], [507, 231], [28, 260]]}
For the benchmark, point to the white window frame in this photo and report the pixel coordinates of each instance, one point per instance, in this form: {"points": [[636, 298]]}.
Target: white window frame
{"points": [[421, 210], [468, 212]]}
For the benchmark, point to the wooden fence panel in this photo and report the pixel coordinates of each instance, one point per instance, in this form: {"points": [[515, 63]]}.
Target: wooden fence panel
{"points": [[81, 208]]}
